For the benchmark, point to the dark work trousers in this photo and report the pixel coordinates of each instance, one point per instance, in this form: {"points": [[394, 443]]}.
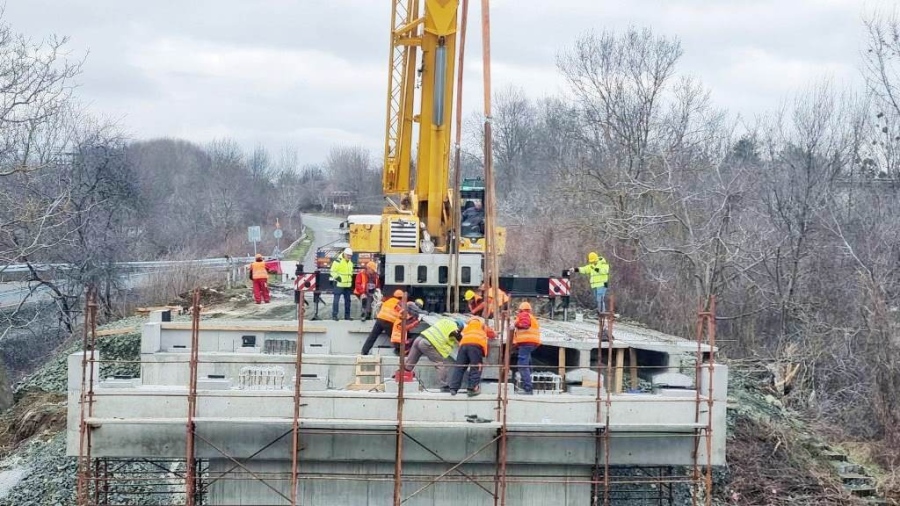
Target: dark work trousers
{"points": [[366, 302], [380, 327], [338, 293], [524, 363], [470, 356]]}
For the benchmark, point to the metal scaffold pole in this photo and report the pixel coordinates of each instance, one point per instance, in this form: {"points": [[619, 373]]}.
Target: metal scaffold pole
{"points": [[705, 325], [401, 381], [453, 288], [190, 464], [298, 382], [89, 342]]}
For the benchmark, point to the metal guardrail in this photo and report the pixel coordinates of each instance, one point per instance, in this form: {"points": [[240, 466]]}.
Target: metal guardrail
{"points": [[207, 262]]}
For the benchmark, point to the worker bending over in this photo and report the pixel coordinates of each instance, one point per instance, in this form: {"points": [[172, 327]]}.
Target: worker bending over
{"points": [[473, 347], [342, 277], [259, 276], [409, 323], [367, 281], [527, 338], [384, 322], [481, 304], [436, 342], [597, 270]]}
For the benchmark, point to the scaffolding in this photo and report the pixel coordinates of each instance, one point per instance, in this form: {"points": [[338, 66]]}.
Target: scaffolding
{"points": [[104, 480]]}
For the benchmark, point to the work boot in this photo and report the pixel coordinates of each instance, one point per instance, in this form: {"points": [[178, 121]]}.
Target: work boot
{"points": [[474, 391], [445, 390], [452, 392], [334, 317]]}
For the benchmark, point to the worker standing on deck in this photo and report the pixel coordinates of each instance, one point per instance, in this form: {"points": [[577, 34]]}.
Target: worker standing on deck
{"points": [[481, 304], [367, 282], [259, 275], [384, 321], [342, 278], [413, 314], [436, 342], [473, 347], [597, 269], [527, 338]]}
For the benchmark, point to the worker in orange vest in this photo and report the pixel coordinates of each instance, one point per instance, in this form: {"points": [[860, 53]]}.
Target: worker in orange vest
{"points": [[413, 313], [527, 338], [259, 275], [364, 288], [384, 321], [473, 347]]}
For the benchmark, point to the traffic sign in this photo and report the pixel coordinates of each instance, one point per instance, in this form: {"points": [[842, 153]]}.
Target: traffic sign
{"points": [[277, 233], [254, 234]]}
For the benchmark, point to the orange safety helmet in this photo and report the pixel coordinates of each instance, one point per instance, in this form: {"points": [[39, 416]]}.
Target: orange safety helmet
{"points": [[372, 265], [525, 306], [259, 257], [398, 294]]}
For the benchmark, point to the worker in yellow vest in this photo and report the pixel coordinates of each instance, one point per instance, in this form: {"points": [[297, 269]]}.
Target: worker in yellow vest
{"points": [[259, 276], [342, 278], [384, 321], [436, 342], [473, 347], [527, 338], [597, 270]]}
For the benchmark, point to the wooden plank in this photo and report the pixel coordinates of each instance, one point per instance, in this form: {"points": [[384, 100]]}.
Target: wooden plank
{"points": [[562, 365], [620, 370], [633, 368]]}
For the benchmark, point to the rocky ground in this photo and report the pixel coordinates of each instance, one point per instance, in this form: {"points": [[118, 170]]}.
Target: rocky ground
{"points": [[775, 456]]}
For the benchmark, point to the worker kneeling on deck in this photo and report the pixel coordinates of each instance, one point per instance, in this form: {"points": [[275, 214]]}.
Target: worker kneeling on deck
{"points": [[436, 342], [384, 321], [473, 347], [413, 313], [526, 340]]}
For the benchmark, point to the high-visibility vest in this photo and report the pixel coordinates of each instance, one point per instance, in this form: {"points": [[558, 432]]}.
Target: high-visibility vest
{"points": [[258, 270], [342, 272], [531, 335], [439, 335], [397, 332], [597, 271], [388, 311], [365, 282], [475, 333]]}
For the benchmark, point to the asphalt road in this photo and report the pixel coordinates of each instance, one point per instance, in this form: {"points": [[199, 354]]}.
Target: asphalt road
{"points": [[325, 231]]}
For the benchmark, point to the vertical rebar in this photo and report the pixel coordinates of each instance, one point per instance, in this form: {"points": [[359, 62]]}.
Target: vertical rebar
{"points": [[190, 477], [698, 360], [401, 381], [298, 382], [453, 288]]}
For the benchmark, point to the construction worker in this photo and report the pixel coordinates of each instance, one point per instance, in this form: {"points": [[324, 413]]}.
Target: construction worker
{"points": [[436, 342], [479, 303], [474, 301], [367, 281], [342, 278], [259, 276], [473, 347], [597, 269], [413, 313], [384, 321], [527, 338]]}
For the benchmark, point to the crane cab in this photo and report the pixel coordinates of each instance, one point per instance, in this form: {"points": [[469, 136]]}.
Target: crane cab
{"points": [[472, 226]]}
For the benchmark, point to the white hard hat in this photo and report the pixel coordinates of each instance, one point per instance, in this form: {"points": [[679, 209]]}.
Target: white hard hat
{"points": [[348, 251]]}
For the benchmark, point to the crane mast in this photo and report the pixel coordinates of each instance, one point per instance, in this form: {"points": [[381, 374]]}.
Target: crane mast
{"points": [[434, 33]]}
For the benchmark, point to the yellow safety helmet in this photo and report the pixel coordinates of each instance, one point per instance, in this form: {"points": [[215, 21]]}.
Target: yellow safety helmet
{"points": [[593, 257], [398, 294], [469, 295], [420, 303], [525, 306]]}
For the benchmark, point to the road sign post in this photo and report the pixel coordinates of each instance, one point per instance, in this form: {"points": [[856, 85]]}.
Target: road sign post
{"points": [[254, 235]]}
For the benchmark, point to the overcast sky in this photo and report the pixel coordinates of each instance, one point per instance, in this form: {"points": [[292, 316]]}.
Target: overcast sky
{"points": [[312, 74]]}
